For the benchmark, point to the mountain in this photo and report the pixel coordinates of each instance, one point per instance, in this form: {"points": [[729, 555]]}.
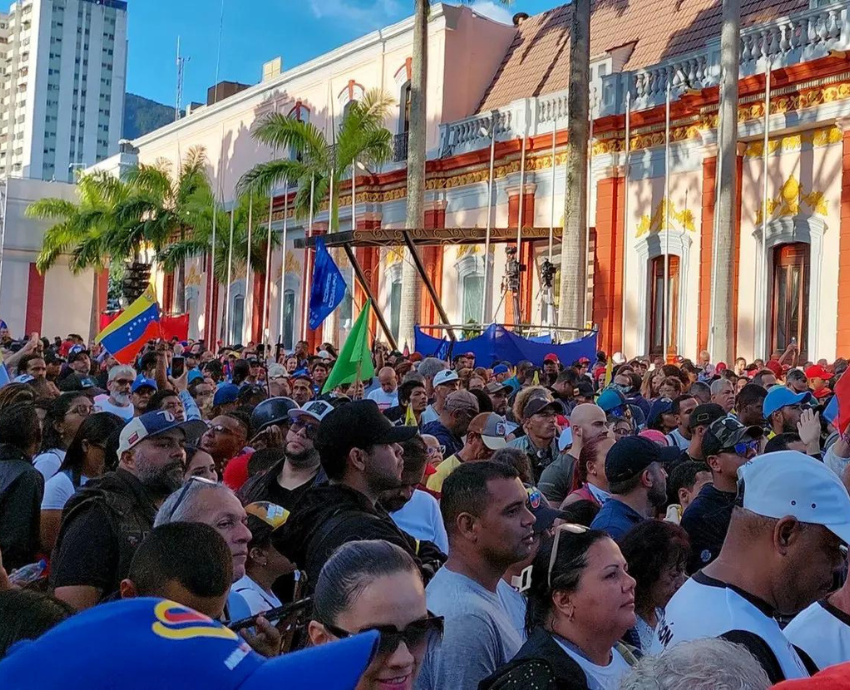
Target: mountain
{"points": [[142, 115]]}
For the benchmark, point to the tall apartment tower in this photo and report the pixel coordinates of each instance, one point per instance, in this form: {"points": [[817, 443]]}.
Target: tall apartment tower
{"points": [[63, 70]]}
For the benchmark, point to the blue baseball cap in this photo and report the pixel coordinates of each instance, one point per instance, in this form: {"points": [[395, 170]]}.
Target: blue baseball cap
{"points": [[659, 407], [194, 374], [500, 369], [780, 396], [142, 381], [611, 399], [156, 643], [155, 423], [225, 394]]}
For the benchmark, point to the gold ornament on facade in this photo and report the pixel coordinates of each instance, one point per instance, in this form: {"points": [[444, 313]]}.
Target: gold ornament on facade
{"points": [[791, 199], [194, 278], [465, 249], [825, 136], [658, 221], [293, 265]]}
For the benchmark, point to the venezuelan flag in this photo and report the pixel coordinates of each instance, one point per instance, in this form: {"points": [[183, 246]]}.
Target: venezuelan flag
{"points": [[124, 337]]}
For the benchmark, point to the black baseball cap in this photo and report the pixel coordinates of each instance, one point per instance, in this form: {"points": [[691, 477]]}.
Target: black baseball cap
{"points": [[359, 424], [725, 433], [584, 388], [705, 414], [630, 456]]}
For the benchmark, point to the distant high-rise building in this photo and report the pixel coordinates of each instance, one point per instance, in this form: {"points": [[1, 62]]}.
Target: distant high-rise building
{"points": [[63, 68]]}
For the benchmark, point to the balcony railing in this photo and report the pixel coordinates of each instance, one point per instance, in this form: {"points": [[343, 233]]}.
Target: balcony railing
{"points": [[400, 147]]}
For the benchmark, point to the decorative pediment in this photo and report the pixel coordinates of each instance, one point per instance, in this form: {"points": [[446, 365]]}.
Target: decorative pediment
{"points": [[193, 278], [658, 221], [792, 200]]}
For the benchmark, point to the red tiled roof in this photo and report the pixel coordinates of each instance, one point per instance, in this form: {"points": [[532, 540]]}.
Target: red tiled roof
{"points": [[537, 61]]}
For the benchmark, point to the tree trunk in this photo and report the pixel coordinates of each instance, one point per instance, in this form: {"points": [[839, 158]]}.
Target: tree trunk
{"points": [[415, 170], [180, 289], [573, 288], [723, 349]]}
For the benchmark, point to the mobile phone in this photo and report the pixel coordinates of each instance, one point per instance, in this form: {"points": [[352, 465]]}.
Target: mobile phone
{"points": [[178, 366], [272, 614]]}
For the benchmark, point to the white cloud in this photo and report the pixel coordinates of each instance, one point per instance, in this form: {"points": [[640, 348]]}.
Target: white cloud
{"points": [[363, 14], [494, 11]]}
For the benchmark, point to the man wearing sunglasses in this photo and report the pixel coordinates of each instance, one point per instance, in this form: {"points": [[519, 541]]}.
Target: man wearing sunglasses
{"points": [[727, 445], [225, 438], [104, 523]]}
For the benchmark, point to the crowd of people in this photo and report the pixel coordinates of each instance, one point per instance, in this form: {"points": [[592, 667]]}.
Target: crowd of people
{"points": [[591, 524]]}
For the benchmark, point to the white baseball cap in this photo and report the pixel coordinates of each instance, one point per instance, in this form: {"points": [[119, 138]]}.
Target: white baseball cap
{"points": [[315, 409], [789, 483], [445, 376]]}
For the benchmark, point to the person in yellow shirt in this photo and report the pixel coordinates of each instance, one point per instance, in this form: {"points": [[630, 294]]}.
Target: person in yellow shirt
{"points": [[486, 435]]}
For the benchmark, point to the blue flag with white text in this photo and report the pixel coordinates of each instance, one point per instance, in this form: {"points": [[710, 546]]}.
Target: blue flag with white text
{"points": [[328, 286]]}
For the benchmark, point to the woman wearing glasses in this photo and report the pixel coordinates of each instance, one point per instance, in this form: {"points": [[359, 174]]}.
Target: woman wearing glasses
{"points": [[580, 603], [60, 425], [376, 585]]}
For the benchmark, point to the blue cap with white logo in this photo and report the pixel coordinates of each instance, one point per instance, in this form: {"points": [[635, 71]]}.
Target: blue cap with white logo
{"points": [[780, 396], [156, 643], [226, 394], [142, 381], [153, 424]]}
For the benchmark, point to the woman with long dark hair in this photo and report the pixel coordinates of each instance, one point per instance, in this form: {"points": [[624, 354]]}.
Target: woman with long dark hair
{"points": [[85, 460], [590, 482], [64, 417]]}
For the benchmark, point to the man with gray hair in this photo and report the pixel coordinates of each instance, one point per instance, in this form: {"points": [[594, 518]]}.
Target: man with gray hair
{"points": [[450, 428], [701, 391], [704, 664], [723, 394], [119, 400], [429, 368]]}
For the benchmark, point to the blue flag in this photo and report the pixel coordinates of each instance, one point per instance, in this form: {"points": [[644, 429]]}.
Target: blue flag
{"points": [[328, 286]]}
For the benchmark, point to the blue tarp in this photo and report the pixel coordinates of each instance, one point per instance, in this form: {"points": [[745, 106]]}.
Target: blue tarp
{"points": [[497, 344]]}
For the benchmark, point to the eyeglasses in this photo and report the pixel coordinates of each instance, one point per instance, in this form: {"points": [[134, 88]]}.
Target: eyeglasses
{"points": [[122, 382], [570, 527], [221, 429], [742, 448], [434, 450], [415, 636], [310, 430], [185, 490]]}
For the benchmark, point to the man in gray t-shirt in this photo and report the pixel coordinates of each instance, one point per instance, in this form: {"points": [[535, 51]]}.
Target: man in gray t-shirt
{"points": [[485, 510]]}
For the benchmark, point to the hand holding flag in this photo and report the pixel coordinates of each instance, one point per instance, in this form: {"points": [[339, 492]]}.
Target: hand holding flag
{"points": [[124, 337]]}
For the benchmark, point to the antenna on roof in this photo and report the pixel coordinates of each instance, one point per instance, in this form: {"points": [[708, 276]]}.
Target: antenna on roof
{"points": [[181, 66]]}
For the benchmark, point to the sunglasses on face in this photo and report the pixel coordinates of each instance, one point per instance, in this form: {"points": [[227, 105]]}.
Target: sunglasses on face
{"points": [[310, 430], [570, 527], [742, 448], [415, 636], [221, 429]]}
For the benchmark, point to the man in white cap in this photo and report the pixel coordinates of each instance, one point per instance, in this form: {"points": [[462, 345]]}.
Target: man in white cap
{"points": [[785, 541], [445, 382]]}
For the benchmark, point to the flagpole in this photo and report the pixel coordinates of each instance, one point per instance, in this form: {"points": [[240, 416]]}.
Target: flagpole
{"points": [[626, 174], [227, 334], [211, 280], [263, 320], [666, 320], [353, 195], [249, 293], [761, 302], [283, 261], [306, 306]]}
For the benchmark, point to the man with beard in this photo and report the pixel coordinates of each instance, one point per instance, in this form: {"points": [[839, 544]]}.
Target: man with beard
{"points": [[225, 438], [107, 519], [119, 400], [498, 393], [300, 468], [360, 453], [783, 409], [727, 446], [637, 483]]}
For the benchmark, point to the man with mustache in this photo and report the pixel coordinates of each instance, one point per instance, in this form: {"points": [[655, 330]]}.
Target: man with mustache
{"points": [[106, 520], [119, 401]]}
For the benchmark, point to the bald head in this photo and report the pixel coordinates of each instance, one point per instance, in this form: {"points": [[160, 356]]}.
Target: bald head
{"points": [[388, 380], [587, 422]]}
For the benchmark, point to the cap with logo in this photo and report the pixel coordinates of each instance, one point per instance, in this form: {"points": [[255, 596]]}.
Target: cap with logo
{"points": [[358, 424], [142, 382], [538, 404], [492, 428], [790, 483], [544, 514], [302, 374], [75, 382], [705, 414], [780, 396], [153, 424], [445, 376], [264, 517], [584, 388], [727, 432], [552, 357], [630, 456], [610, 399], [315, 409], [494, 387], [225, 394], [659, 407], [816, 371], [159, 643], [76, 352]]}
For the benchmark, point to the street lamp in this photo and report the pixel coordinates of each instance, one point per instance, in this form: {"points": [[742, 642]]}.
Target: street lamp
{"points": [[488, 130]]}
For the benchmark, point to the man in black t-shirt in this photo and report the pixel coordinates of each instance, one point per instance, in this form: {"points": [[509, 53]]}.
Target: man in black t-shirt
{"points": [[292, 477]]}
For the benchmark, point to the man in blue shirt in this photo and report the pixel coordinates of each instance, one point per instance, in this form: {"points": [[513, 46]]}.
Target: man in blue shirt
{"points": [[460, 408], [637, 482]]}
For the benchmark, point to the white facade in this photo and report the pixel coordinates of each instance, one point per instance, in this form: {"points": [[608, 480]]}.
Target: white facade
{"points": [[64, 67]]}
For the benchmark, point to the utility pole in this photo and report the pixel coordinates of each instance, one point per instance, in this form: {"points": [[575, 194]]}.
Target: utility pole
{"points": [[181, 68]]}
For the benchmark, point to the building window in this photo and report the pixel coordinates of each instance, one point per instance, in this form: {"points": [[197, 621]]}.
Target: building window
{"points": [[404, 115], [395, 307], [656, 315], [473, 296], [237, 319], [790, 296], [289, 320]]}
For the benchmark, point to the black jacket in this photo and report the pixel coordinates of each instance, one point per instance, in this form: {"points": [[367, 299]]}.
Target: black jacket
{"points": [[706, 520], [258, 487], [21, 491], [329, 516]]}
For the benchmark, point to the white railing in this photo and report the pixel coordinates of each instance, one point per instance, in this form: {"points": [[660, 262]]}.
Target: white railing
{"points": [[474, 132]]}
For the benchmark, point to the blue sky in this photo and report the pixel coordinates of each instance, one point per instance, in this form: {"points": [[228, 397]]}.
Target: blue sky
{"points": [[254, 31]]}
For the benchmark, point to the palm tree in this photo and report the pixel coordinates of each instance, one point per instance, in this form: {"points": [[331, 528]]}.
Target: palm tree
{"points": [[415, 217], [573, 288], [361, 139]]}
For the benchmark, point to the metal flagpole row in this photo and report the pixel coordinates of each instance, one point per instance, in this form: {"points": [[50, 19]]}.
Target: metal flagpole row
{"points": [[627, 147], [666, 319], [227, 310], [283, 260]]}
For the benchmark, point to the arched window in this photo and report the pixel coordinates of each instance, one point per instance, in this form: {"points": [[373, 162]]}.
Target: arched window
{"points": [[347, 108], [237, 319], [790, 297], [301, 113], [656, 315], [470, 280], [289, 319], [404, 114]]}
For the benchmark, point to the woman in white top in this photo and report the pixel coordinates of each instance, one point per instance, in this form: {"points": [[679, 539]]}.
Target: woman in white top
{"points": [[580, 603], [60, 425], [265, 563], [84, 461]]}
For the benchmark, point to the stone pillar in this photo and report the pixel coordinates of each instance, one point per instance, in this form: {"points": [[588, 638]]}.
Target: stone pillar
{"points": [[709, 192], [842, 343], [608, 269], [526, 257], [432, 258]]}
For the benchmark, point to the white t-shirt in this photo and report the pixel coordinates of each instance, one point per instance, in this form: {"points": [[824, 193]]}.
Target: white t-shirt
{"points": [[103, 402], [385, 400], [823, 632], [607, 677], [256, 597], [58, 489], [678, 440], [49, 462], [420, 518]]}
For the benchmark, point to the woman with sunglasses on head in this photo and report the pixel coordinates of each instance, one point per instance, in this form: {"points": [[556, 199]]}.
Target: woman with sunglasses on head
{"points": [[63, 419], [376, 585], [580, 603], [85, 460]]}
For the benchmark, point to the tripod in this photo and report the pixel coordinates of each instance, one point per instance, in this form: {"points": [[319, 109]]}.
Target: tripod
{"points": [[510, 283], [547, 294]]}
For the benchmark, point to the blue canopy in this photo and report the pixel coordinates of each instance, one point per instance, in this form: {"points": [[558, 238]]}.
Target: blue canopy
{"points": [[497, 344]]}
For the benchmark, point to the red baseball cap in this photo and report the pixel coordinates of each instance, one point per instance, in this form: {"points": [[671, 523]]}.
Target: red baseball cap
{"points": [[551, 357], [816, 371], [774, 366], [833, 678]]}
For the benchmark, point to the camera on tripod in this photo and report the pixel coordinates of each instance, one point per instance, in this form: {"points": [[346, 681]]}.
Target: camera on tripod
{"points": [[547, 273], [513, 269]]}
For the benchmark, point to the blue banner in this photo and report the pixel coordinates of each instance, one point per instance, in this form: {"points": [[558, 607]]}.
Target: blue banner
{"points": [[328, 286]]}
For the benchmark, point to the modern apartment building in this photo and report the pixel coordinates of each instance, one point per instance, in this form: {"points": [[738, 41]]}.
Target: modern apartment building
{"points": [[63, 67]]}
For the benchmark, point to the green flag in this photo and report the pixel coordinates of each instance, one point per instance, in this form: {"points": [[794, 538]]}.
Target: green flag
{"points": [[355, 357]]}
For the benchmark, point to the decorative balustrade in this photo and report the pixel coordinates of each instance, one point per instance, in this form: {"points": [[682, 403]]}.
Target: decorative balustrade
{"points": [[474, 132]]}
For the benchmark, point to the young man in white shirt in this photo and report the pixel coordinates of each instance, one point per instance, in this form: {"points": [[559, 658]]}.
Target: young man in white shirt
{"points": [[119, 401], [682, 408], [783, 545]]}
